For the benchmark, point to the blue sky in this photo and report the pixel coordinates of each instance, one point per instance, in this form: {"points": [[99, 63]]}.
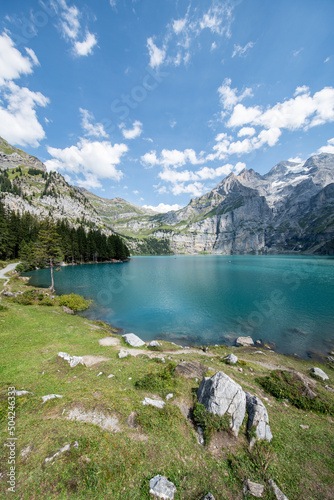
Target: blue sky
{"points": [[155, 101]]}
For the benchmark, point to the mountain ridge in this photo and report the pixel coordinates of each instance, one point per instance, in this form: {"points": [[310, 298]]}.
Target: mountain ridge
{"points": [[287, 210]]}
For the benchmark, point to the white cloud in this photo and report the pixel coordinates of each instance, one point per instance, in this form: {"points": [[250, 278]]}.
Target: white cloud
{"points": [[302, 111], [18, 120], [213, 46], [297, 52], [85, 48], [90, 129], [250, 131], [157, 56], [94, 160], [179, 25], [172, 124], [329, 148], [301, 90], [181, 33], [327, 60], [32, 56], [163, 207], [134, 132], [229, 97], [12, 63], [240, 51], [82, 41], [296, 159], [150, 159], [18, 117], [135, 192], [172, 157], [195, 189], [113, 3]]}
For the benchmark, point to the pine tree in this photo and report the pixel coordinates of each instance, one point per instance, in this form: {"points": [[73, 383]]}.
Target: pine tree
{"points": [[48, 247]]}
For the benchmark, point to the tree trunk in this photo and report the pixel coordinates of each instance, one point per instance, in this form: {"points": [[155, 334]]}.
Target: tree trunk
{"points": [[52, 289]]}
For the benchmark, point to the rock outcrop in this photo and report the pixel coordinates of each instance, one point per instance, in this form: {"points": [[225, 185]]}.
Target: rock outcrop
{"points": [[221, 395], [258, 420], [133, 340], [319, 373], [191, 369]]}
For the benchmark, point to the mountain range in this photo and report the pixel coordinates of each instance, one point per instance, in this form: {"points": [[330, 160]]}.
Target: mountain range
{"points": [[288, 210]]}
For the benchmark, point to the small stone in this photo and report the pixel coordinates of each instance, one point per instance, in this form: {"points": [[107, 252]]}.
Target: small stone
{"points": [[111, 375], [133, 340], [160, 487], [154, 343], [67, 447], [101, 373], [123, 353], [319, 373], [329, 388], [277, 492], [208, 496], [330, 359], [22, 393], [153, 402], [304, 426], [231, 359], [169, 396], [131, 420], [244, 341], [240, 370], [50, 396], [254, 489], [72, 360]]}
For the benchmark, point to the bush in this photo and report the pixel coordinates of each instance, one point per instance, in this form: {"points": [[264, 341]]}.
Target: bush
{"points": [[74, 302], [210, 422], [24, 267], [163, 382], [3, 308], [283, 385]]}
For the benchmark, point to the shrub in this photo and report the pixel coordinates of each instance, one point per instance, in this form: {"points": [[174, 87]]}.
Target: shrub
{"points": [[283, 385], [210, 422], [24, 267], [3, 308], [74, 302], [163, 382]]}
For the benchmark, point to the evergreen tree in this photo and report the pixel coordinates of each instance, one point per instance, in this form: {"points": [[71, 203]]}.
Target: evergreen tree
{"points": [[48, 247]]}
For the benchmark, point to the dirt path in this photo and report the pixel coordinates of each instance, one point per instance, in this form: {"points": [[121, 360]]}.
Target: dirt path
{"points": [[6, 270]]}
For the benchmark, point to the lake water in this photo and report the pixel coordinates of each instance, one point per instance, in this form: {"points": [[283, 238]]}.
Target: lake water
{"points": [[287, 300]]}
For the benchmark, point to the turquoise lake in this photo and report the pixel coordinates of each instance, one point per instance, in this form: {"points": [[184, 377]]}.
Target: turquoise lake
{"points": [[188, 300]]}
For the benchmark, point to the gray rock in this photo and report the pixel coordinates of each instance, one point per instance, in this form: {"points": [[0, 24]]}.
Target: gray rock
{"points": [[254, 489], [244, 341], [319, 373], [220, 395], [123, 353], [131, 420], [200, 435], [232, 359], [277, 492], [329, 388], [67, 310], [8, 294], [133, 340], [160, 487], [169, 396], [330, 359], [191, 369], [208, 496], [257, 419], [304, 426], [153, 402], [95, 417], [154, 343], [50, 396], [72, 360]]}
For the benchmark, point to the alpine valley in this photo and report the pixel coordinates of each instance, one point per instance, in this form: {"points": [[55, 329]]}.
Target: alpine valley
{"points": [[288, 210]]}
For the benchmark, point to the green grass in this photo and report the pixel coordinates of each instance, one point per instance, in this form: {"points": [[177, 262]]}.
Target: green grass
{"points": [[119, 465]]}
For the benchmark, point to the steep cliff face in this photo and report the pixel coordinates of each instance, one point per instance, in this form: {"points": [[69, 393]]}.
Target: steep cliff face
{"points": [[288, 209]]}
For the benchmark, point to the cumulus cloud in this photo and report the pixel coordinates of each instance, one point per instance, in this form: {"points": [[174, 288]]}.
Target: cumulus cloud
{"points": [[240, 51], [250, 131], [92, 159], [81, 40], [229, 97], [134, 132], [90, 128], [86, 47], [163, 207], [19, 123], [172, 157], [329, 148]]}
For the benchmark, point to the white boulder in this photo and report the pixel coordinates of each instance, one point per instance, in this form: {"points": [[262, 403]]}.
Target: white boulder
{"points": [[257, 419], [220, 395], [153, 402], [160, 487], [244, 341], [72, 360], [319, 373]]}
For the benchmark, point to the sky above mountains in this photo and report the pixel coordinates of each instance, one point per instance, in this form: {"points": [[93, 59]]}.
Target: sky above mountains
{"points": [[155, 101]]}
